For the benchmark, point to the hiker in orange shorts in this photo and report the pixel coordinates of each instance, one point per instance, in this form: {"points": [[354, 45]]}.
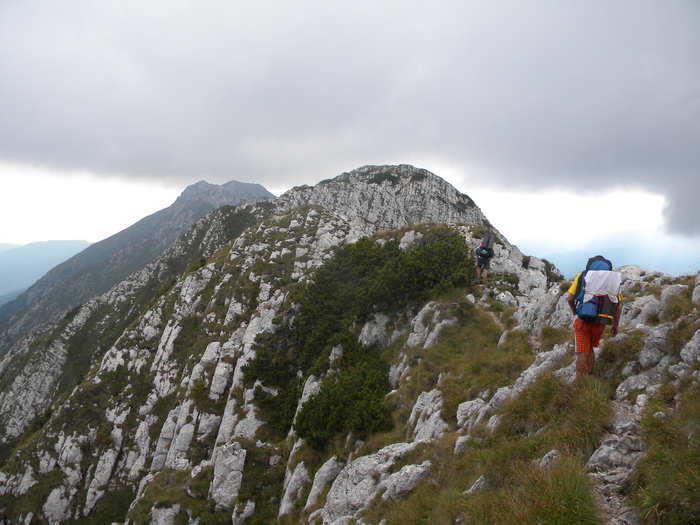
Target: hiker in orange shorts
{"points": [[587, 332]]}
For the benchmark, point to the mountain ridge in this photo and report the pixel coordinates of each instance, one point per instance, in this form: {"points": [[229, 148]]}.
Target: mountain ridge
{"points": [[169, 420]]}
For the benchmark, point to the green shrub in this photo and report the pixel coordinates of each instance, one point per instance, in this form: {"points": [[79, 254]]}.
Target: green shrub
{"points": [[361, 279], [352, 402]]}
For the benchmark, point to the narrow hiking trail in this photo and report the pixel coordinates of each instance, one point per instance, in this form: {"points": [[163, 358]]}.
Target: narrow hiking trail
{"points": [[612, 464]]}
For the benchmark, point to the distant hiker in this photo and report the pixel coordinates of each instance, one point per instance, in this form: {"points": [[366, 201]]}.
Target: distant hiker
{"points": [[595, 300], [483, 261]]}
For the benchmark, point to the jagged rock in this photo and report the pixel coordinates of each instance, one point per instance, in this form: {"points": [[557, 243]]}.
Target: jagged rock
{"points": [[640, 311], [655, 345], [468, 413], [327, 473], [398, 485], [311, 388], [690, 353], [179, 448], [549, 459], [219, 381], [228, 475], [164, 515], [426, 417], [637, 382], [242, 512], [427, 325], [293, 488], [375, 332], [669, 292], [358, 483], [479, 485], [98, 485], [622, 451], [409, 238], [26, 481], [696, 291], [56, 509]]}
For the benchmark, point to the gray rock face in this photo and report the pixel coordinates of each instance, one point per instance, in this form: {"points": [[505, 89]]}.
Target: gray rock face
{"points": [[293, 488], [690, 353], [359, 482], [228, 475], [325, 475], [387, 197], [400, 484], [624, 451], [426, 417]]}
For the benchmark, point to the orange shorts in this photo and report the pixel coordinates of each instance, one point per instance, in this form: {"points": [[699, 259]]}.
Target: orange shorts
{"points": [[587, 335]]}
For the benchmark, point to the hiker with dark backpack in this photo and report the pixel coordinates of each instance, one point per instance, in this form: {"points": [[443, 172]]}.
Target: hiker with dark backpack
{"points": [[594, 298], [483, 257]]}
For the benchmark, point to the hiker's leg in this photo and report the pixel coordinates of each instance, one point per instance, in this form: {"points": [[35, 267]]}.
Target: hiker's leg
{"points": [[594, 341], [582, 346], [582, 363], [486, 272], [590, 363]]}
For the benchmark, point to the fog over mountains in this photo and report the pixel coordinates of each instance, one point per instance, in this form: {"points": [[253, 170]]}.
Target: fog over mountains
{"points": [[326, 356], [21, 266]]}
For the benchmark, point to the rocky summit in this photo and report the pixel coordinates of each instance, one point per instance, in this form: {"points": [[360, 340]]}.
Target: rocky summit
{"points": [[326, 357]]}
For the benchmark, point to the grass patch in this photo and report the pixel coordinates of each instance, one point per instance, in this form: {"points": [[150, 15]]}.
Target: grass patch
{"points": [[678, 306], [548, 415], [666, 484], [170, 487], [614, 355], [550, 337], [571, 417], [558, 495], [482, 364], [680, 334]]}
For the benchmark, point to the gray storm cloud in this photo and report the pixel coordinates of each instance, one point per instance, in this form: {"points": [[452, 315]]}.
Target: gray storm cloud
{"points": [[526, 95]]}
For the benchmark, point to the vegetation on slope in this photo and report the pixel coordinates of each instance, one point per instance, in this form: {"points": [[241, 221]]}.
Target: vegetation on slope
{"points": [[361, 279]]}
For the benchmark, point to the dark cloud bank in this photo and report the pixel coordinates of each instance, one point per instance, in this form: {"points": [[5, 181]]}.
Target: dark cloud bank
{"points": [[533, 95]]}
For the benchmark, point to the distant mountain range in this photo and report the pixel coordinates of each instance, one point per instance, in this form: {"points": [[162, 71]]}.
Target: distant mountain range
{"points": [[4, 246], [104, 264], [22, 266]]}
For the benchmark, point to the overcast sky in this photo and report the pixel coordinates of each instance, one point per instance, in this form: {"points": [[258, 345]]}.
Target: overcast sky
{"points": [[556, 117]]}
